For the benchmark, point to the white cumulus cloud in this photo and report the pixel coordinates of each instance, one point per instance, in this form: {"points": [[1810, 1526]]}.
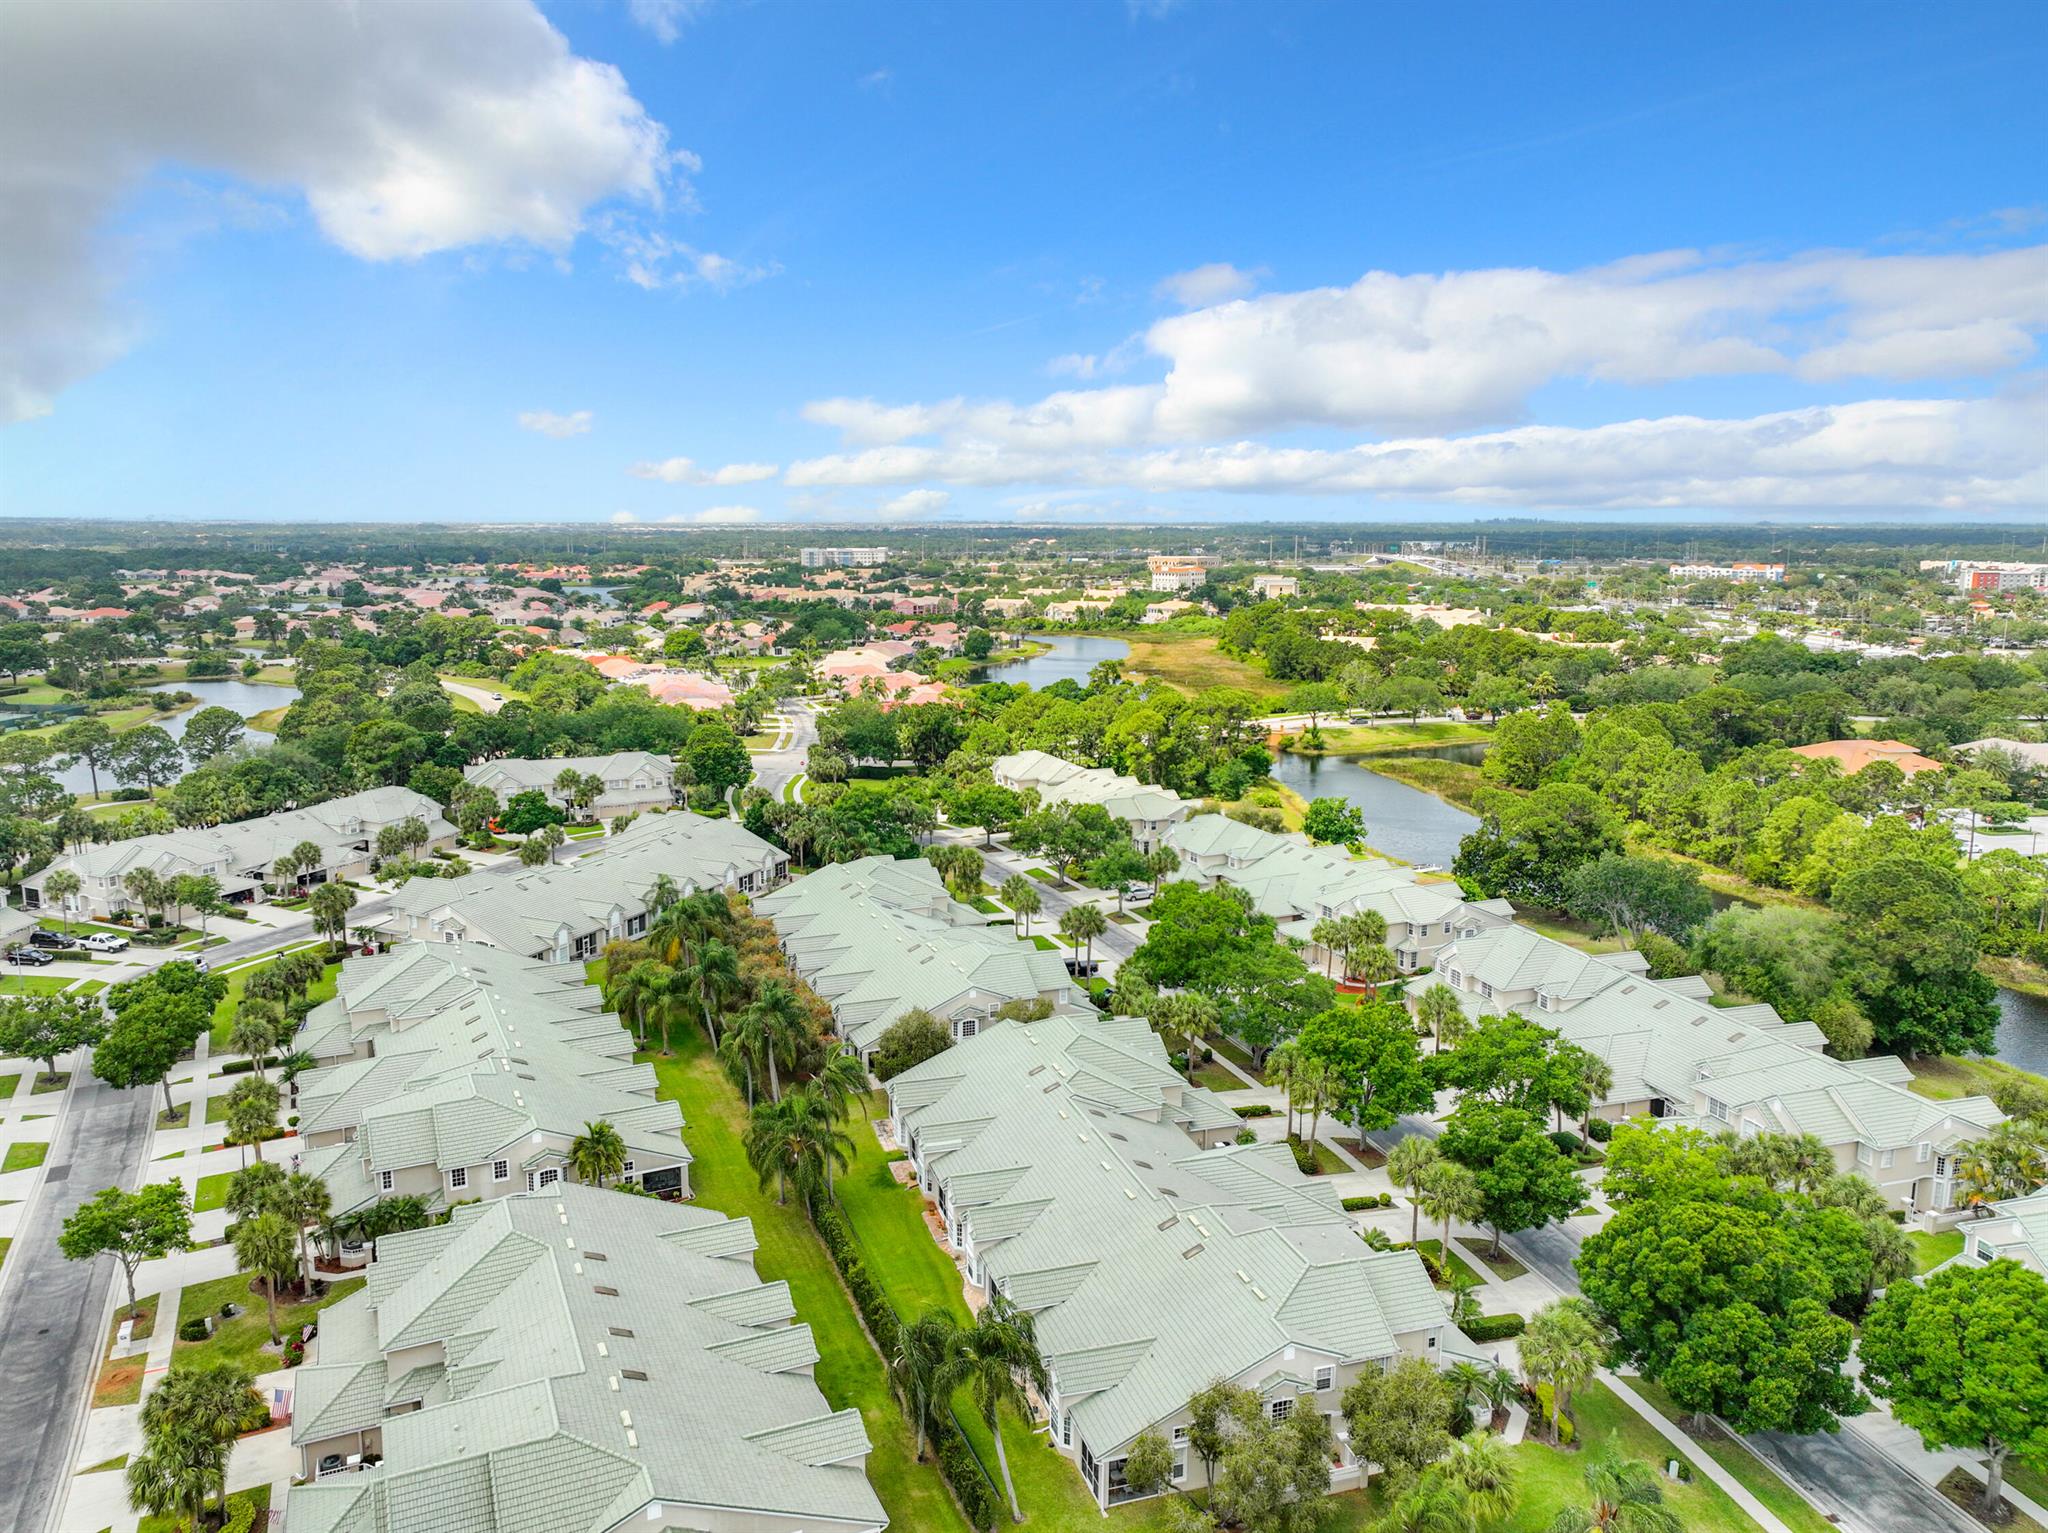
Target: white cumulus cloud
{"points": [[548, 423], [687, 471], [917, 503], [722, 515], [407, 129]]}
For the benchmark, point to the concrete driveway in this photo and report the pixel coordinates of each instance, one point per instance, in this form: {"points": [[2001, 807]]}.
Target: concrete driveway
{"points": [[482, 696]]}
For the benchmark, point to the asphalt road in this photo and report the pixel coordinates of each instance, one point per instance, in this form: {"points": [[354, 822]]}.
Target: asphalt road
{"points": [[51, 1309], [1850, 1478], [1111, 948], [773, 770]]}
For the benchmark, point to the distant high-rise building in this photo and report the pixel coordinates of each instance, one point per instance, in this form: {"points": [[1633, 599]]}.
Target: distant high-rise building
{"points": [[1986, 576], [840, 558], [1745, 574]]}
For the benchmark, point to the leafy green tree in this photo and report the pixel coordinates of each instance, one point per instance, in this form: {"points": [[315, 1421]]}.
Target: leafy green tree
{"points": [[910, 1040], [527, 812], [1375, 1065], [1633, 895], [91, 743], [132, 1227], [986, 805], [718, 758], [1911, 943], [1963, 1359], [1333, 821], [1527, 845], [1523, 1181], [1785, 956], [1510, 1060], [1398, 1419], [142, 1048], [47, 1027], [1710, 1289], [1529, 749], [1118, 868], [60, 887], [796, 1143], [212, 732], [1148, 1464]]}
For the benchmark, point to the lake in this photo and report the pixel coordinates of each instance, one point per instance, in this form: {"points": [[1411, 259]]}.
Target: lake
{"points": [[245, 697], [1071, 658], [1400, 821]]}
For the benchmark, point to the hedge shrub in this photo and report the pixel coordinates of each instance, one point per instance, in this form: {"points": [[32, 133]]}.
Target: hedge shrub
{"points": [[1254, 1110], [1495, 1327], [1599, 1130]]}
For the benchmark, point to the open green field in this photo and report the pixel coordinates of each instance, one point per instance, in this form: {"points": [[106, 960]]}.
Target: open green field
{"points": [[1942, 1076], [1368, 739], [1193, 663]]}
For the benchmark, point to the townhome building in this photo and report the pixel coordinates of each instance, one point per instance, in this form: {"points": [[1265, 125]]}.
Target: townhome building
{"points": [[1301, 885], [1677, 1057], [2014, 1229], [634, 781], [1079, 1176], [243, 855], [567, 913], [1150, 812], [576, 1362], [481, 1098], [876, 938]]}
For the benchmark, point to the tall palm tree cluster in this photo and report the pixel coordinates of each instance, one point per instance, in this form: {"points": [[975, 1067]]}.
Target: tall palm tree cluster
{"points": [[994, 1358], [189, 1425], [1360, 940]]}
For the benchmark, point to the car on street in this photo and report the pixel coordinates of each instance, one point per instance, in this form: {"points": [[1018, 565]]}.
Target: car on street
{"points": [[49, 939], [497, 697], [104, 942], [31, 957]]}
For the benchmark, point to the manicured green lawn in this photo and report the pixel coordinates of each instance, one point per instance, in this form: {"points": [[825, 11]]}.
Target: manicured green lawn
{"points": [[1327, 1163], [33, 984], [1756, 1476], [849, 1372], [1236, 1055], [242, 1338], [1551, 1479], [1458, 1263], [7, 1085], [24, 1156], [1930, 1251], [238, 979], [42, 1085], [1942, 1076], [211, 1193]]}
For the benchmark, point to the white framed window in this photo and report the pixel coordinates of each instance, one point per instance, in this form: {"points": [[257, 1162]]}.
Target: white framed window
{"points": [[1180, 1469], [1281, 1409], [1326, 1377], [385, 1181], [1864, 1155], [536, 1180], [628, 1169], [459, 1177], [1885, 1160], [1180, 1435], [501, 1171], [1067, 1430]]}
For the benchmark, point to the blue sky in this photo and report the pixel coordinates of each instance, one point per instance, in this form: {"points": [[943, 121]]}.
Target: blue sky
{"points": [[1212, 259]]}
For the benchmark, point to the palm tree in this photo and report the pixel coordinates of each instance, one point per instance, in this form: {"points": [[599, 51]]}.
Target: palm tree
{"points": [[252, 1113], [2005, 1163], [998, 1353], [267, 1246], [1374, 966], [253, 1034], [637, 992], [174, 1474], [1450, 1192], [1626, 1498], [255, 1190], [1464, 1289], [779, 1019], [1596, 1079], [1430, 1504], [1083, 923], [925, 1367], [304, 1199], [662, 894], [1186, 1016], [1561, 1347], [1439, 1009], [1410, 1163], [713, 979], [1021, 895], [744, 1046], [796, 1142], [329, 908], [841, 1082], [1328, 934], [598, 1153], [1481, 1468], [189, 1425], [1283, 1068]]}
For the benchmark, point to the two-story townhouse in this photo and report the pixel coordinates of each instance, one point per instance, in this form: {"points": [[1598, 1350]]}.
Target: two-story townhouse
{"points": [[2013, 1229], [1068, 1161], [567, 913], [878, 937], [634, 781], [1150, 812], [579, 1362]]}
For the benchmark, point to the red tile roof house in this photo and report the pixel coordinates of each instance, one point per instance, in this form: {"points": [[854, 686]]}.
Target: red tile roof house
{"points": [[1855, 755]]}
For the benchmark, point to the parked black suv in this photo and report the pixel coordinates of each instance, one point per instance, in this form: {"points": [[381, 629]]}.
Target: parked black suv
{"points": [[59, 940]]}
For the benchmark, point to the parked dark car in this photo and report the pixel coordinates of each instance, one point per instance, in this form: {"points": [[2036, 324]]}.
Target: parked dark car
{"points": [[32, 957], [58, 940]]}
